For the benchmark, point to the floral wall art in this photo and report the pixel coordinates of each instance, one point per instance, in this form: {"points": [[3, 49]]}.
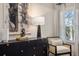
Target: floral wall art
{"points": [[18, 16], [13, 17]]}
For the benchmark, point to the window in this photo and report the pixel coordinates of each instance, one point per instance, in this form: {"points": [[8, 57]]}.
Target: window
{"points": [[69, 18]]}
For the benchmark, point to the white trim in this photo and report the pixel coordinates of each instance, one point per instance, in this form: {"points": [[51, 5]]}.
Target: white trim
{"points": [[76, 33]]}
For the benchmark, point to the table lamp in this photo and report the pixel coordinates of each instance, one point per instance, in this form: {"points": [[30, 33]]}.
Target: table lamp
{"points": [[38, 21]]}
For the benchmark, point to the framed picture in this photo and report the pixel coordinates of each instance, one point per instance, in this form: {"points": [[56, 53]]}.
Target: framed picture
{"points": [[18, 18], [13, 17]]}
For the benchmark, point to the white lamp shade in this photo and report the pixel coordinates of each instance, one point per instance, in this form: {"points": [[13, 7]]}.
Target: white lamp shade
{"points": [[38, 20]]}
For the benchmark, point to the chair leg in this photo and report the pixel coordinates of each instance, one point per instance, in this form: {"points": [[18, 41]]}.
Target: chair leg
{"points": [[55, 54], [70, 54], [70, 50]]}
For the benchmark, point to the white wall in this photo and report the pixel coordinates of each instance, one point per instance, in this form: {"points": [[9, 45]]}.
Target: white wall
{"points": [[77, 9], [51, 19], [50, 14], [47, 10], [4, 28]]}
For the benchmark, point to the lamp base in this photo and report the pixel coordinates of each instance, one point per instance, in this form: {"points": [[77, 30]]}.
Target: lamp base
{"points": [[39, 32]]}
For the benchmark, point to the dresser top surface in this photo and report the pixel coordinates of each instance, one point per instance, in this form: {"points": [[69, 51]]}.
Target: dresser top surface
{"points": [[27, 39]]}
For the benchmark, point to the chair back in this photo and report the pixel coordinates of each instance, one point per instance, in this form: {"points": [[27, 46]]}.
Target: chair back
{"points": [[55, 41]]}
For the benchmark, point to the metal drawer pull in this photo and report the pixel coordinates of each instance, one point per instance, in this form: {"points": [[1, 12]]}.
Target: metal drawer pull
{"points": [[21, 50], [7, 45], [4, 55], [33, 47], [43, 51], [34, 55], [44, 45]]}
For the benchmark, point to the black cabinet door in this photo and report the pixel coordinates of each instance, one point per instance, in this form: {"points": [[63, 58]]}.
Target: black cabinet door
{"points": [[12, 49], [38, 47], [19, 49], [24, 49], [16, 49], [2, 49], [42, 49], [33, 46]]}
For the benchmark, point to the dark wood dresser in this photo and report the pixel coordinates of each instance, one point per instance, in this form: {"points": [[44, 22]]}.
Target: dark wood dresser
{"points": [[37, 47]]}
